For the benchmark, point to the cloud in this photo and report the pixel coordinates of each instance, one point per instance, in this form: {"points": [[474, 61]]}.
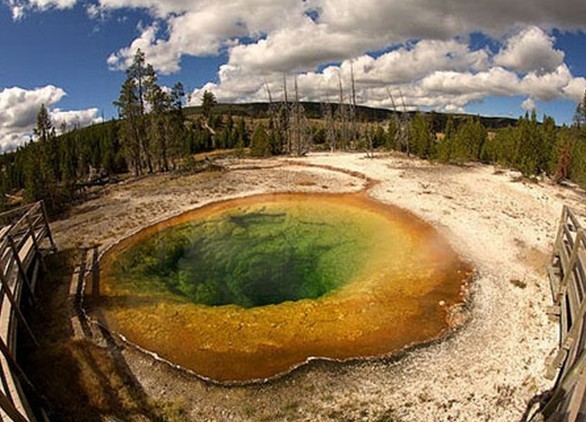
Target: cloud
{"points": [[74, 118], [300, 35], [576, 89], [97, 12], [20, 7], [529, 104], [530, 51], [19, 108], [206, 29], [419, 50], [163, 59], [429, 74]]}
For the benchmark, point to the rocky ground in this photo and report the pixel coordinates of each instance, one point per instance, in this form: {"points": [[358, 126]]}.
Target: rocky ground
{"points": [[488, 370]]}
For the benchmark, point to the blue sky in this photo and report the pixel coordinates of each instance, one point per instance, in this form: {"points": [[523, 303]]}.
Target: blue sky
{"points": [[492, 58]]}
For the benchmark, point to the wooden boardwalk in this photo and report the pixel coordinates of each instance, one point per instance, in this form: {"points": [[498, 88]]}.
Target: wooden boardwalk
{"points": [[567, 273], [24, 232]]}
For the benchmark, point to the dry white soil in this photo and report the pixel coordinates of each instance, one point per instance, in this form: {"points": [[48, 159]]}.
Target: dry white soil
{"points": [[487, 370]]}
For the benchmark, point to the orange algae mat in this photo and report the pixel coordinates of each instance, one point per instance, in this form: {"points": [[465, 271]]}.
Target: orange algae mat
{"points": [[234, 311]]}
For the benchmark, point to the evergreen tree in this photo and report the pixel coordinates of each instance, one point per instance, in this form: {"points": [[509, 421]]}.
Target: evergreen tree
{"points": [[502, 149], [177, 124], [447, 143], [469, 141], [208, 101], [4, 187], [131, 128], [379, 138], [392, 131], [578, 151], [531, 151], [578, 158], [41, 167], [260, 145], [562, 159], [420, 137], [549, 132], [44, 129], [139, 88], [241, 135], [580, 115]]}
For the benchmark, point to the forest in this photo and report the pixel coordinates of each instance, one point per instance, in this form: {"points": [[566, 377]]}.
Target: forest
{"points": [[155, 132]]}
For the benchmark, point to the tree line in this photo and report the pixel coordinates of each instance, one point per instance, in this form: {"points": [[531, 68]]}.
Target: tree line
{"points": [[154, 134]]}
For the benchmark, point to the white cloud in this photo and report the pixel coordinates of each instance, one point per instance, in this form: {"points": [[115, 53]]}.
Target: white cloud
{"points": [[299, 34], [547, 86], [72, 119], [206, 29], [530, 51], [430, 74], [429, 59], [529, 104], [576, 89], [97, 12], [19, 108], [164, 59], [495, 81], [20, 7], [283, 37]]}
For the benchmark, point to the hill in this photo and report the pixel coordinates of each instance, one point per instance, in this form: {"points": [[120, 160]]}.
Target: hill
{"points": [[315, 110]]}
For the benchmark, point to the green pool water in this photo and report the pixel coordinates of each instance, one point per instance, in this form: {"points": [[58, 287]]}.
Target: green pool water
{"points": [[250, 288], [252, 256]]}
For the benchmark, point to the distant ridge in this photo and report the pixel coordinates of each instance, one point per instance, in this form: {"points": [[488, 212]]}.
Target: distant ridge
{"points": [[314, 110]]}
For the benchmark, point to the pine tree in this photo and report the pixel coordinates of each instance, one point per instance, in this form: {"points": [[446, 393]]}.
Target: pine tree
{"points": [[242, 138], [580, 115], [177, 126], [208, 101], [421, 138], [44, 129], [138, 87], [130, 123], [392, 132], [447, 143], [578, 158], [469, 141], [41, 166], [260, 144], [531, 150], [562, 160], [159, 124], [379, 138], [548, 145]]}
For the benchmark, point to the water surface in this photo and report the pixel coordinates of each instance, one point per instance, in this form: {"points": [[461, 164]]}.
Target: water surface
{"points": [[247, 289]]}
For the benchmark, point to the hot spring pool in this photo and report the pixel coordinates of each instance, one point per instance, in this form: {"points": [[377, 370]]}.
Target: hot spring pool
{"points": [[250, 288]]}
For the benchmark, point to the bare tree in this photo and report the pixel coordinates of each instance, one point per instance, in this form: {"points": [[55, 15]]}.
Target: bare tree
{"points": [[403, 123], [353, 109], [342, 115], [368, 141], [300, 126], [285, 117], [330, 125]]}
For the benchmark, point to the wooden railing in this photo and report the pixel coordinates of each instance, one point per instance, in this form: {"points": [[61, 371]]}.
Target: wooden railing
{"points": [[23, 233], [567, 273]]}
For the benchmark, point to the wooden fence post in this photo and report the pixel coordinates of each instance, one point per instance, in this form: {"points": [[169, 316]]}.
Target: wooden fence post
{"points": [[568, 398], [46, 220], [36, 243], [21, 269], [15, 305], [10, 410]]}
